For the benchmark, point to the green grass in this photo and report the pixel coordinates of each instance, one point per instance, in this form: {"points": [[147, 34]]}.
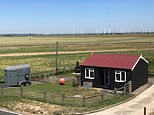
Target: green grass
{"points": [[73, 43], [35, 92], [46, 63]]}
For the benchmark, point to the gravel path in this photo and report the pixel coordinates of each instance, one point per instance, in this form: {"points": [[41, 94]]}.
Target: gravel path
{"points": [[69, 52]]}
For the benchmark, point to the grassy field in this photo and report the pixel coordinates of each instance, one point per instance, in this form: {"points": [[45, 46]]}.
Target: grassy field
{"points": [[74, 43], [142, 44], [120, 44]]}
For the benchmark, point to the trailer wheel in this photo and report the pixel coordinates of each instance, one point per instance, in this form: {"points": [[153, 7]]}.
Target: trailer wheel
{"points": [[22, 84], [26, 84]]}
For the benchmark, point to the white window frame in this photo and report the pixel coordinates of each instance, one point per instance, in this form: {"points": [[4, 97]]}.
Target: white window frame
{"points": [[89, 70], [120, 73]]}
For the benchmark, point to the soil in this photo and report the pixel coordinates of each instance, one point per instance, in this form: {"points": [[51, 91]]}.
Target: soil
{"points": [[68, 52], [36, 108]]}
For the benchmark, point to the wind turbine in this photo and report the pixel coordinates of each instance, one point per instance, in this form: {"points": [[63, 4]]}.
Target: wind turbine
{"points": [[121, 31], [74, 30], [109, 29], [81, 32], [61, 32], [105, 30], [96, 31], [128, 30], [150, 29], [143, 29], [99, 31]]}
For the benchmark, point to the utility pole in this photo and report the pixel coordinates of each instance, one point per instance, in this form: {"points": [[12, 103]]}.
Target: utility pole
{"points": [[56, 57]]}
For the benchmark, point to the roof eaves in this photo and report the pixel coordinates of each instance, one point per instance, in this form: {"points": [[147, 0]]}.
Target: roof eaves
{"points": [[141, 57], [144, 59]]}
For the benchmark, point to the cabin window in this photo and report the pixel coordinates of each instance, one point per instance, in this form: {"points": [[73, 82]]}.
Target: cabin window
{"points": [[120, 76], [89, 73]]}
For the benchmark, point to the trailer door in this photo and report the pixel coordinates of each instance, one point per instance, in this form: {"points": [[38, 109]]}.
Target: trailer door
{"points": [[12, 78]]}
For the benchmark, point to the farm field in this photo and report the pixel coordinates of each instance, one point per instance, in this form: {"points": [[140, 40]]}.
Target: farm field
{"points": [[81, 47], [133, 44], [74, 43]]}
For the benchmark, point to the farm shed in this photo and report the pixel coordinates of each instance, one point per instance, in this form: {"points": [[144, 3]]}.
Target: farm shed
{"points": [[114, 70], [17, 75]]}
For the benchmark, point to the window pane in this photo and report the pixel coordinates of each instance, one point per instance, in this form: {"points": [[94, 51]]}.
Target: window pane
{"points": [[87, 72], [92, 73], [106, 73], [123, 76], [118, 77]]}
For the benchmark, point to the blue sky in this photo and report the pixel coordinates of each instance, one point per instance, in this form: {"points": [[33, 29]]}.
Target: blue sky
{"points": [[68, 16]]}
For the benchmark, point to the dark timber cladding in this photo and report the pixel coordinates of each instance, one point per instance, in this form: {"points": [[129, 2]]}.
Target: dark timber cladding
{"points": [[114, 70]]}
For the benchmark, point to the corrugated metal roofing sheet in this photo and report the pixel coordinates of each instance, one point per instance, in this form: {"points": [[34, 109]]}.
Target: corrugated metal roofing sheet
{"points": [[122, 61]]}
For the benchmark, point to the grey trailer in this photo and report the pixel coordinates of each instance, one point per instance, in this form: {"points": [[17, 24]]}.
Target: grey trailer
{"points": [[17, 75]]}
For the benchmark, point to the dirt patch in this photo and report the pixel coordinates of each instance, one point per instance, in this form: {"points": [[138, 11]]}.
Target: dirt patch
{"points": [[68, 52], [36, 108]]}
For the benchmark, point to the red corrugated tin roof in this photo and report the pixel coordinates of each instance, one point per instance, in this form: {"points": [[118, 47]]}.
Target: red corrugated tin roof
{"points": [[112, 61]]}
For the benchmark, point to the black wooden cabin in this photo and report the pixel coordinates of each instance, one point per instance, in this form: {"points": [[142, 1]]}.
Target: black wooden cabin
{"points": [[114, 70]]}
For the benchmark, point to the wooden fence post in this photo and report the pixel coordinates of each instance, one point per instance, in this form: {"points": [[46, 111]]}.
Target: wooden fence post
{"points": [[45, 78], [102, 96], [115, 90], [64, 69], [21, 90], [84, 100], [130, 86], [56, 57], [124, 91], [2, 90], [63, 98], [45, 95], [144, 110]]}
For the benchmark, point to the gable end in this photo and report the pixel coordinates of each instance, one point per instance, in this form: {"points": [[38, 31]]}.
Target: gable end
{"points": [[141, 57]]}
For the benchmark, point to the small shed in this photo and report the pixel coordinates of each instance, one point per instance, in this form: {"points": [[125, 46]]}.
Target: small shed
{"points": [[114, 70], [17, 75]]}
